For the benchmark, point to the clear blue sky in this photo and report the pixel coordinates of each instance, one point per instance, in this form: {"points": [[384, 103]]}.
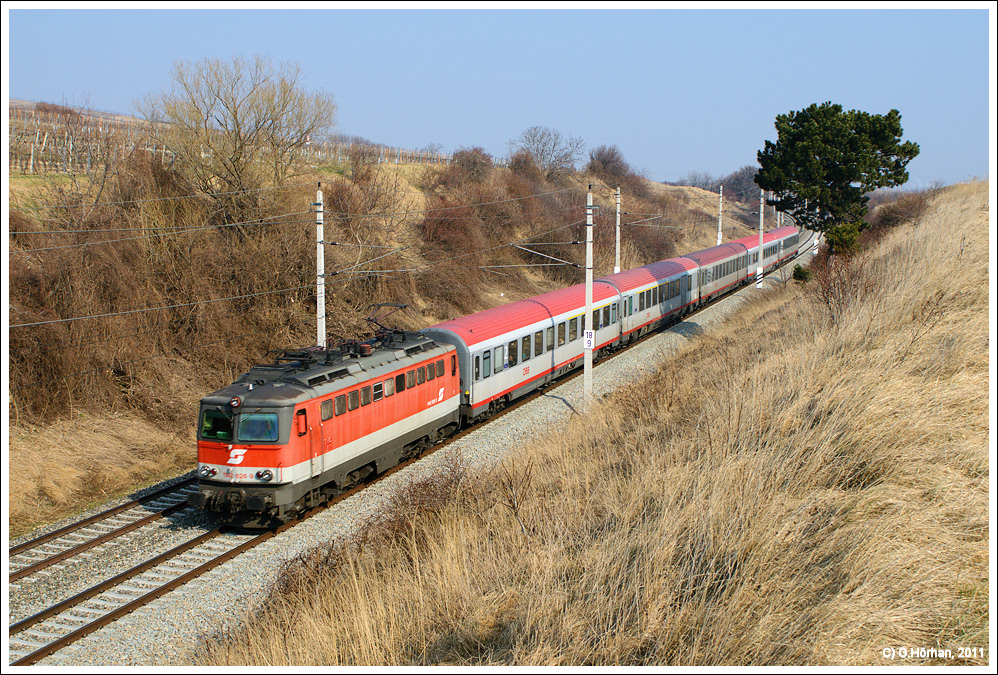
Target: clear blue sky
{"points": [[677, 90]]}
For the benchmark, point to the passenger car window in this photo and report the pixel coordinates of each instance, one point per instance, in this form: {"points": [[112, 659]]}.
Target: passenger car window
{"points": [[512, 353]]}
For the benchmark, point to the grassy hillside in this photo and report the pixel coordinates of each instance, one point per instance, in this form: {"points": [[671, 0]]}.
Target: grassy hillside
{"points": [[808, 485], [102, 405]]}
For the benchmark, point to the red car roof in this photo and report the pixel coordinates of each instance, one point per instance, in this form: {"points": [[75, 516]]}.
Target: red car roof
{"points": [[716, 253], [490, 323], [752, 241]]}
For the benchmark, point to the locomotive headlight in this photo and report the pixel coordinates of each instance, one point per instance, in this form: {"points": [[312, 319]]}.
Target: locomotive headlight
{"points": [[205, 472], [235, 402], [265, 475]]}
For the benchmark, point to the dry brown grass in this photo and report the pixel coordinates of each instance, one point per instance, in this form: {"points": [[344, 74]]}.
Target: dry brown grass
{"points": [[809, 494]]}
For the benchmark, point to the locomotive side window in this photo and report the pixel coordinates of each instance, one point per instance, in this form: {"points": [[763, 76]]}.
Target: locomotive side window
{"points": [[550, 338], [573, 329], [410, 379], [389, 386], [498, 360], [538, 343], [487, 362], [378, 390], [561, 333], [421, 375], [431, 372], [525, 348], [326, 410], [341, 404], [216, 426], [453, 365], [440, 368], [400, 383], [365, 396], [353, 400], [512, 353]]}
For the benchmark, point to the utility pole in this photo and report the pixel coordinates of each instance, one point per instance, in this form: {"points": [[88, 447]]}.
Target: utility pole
{"points": [[616, 264], [720, 207], [320, 273], [762, 210], [589, 334]]}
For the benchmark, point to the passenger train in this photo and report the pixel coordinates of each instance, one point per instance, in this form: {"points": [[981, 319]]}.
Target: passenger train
{"points": [[291, 434]]}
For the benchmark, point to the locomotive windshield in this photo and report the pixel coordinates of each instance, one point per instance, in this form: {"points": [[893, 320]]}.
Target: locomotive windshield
{"points": [[258, 427], [216, 426]]}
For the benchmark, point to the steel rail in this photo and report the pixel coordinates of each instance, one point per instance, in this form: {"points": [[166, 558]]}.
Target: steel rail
{"points": [[96, 541], [14, 550]]}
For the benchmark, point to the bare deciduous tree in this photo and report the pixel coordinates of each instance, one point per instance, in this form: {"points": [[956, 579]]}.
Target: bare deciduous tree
{"points": [[551, 151], [236, 126]]}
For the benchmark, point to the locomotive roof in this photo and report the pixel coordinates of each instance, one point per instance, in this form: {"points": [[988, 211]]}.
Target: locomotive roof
{"points": [[301, 373]]}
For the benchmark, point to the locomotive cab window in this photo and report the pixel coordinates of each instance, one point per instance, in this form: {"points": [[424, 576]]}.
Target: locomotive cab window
{"points": [[216, 426], [258, 427]]}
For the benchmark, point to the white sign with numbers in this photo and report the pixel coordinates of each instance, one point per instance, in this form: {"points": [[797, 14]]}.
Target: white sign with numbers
{"points": [[589, 339]]}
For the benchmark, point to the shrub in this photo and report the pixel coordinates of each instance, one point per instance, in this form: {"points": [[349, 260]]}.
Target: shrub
{"points": [[475, 164], [607, 162], [522, 164]]}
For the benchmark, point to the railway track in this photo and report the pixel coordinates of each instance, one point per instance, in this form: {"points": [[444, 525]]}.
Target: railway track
{"points": [[33, 556], [52, 629]]}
